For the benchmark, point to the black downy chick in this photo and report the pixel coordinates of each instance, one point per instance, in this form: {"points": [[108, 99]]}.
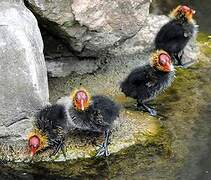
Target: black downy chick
{"points": [[96, 114], [51, 128], [174, 36], [145, 82]]}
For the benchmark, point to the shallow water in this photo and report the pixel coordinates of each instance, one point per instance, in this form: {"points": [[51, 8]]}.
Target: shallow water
{"points": [[186, 110]]}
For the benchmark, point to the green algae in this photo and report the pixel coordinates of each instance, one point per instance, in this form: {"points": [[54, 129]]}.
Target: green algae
{"points": [[68, 24], [205, 43]]}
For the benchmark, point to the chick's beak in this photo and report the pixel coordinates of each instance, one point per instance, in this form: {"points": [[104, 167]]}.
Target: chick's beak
{"points": [[193, 11], [169, 67], [82, 104], [33, 151]]}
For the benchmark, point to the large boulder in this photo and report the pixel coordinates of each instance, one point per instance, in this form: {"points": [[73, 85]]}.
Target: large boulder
{"points": [[62, 62], [23, 80], [89, 26]]}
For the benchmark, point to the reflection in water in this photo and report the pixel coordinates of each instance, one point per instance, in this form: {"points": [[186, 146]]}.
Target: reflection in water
{"points": [[7, 173], [203, 9]]}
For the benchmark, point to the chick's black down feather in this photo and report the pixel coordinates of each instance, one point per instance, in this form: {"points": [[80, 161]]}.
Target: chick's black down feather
{"points": [[145, 82], [52, 121], [174, 36], [99, 116]]}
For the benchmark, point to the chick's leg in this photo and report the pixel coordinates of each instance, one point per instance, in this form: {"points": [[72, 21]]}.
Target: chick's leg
{"points": [[103, 150], [178, 58], [146, 108], [59, 144]]}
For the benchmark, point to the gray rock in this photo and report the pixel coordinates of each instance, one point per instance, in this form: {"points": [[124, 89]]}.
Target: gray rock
{"points": [[144, 41], [67, 66], [63, 64], [23, 80], [90, 26]]}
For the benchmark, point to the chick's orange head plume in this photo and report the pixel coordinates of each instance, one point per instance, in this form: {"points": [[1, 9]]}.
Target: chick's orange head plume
{"points": [[162, 61], [81, 99], [184, 11], [36, 141]]}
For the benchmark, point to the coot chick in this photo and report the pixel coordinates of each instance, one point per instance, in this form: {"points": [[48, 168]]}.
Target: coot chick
{"points": [[51, 128], [95, 114], [144, 83], [174, 36]]}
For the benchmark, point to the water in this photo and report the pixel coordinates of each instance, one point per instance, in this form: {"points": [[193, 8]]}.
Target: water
{"points": [[187, 109], [203, 9], [194, 163]]}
